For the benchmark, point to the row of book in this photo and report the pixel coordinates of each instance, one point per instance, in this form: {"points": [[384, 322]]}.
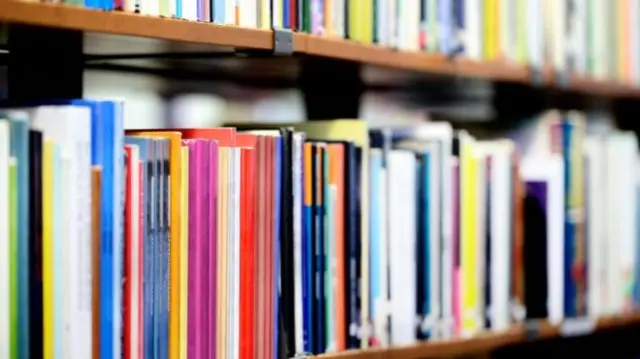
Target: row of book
{"points": [[598, 38], [266, 240]]}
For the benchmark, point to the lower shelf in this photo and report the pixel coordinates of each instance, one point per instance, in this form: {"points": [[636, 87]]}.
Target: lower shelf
{"points": [[490, 341]]}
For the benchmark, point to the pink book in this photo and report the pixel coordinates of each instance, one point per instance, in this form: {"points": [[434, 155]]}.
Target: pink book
{"points": [[196, 206], [212, 246]]}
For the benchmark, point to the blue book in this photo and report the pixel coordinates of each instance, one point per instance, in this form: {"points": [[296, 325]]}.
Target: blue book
{"points": [[424, 243], [19, 124], [163, 248], [93, 4], [319, 250], [569, 226], [307, 263], [154, 245], [218, 11], [375, 228], [445, 25], [286, 14]]}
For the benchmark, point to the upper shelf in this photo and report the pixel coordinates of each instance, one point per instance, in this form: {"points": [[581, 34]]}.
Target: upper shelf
{"points": [[195, 33]]}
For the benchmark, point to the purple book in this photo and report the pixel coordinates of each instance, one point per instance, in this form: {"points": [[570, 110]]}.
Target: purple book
{"points": [[202, 271], [212, 250], [197, 205]]}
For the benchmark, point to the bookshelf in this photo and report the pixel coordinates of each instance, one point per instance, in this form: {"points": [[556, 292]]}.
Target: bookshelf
{"points": [[51, 43], [183, 31]]}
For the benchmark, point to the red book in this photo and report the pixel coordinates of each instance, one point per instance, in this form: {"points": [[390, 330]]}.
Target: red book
{"points": [[248, 213], [293, 14], [140, 219]]}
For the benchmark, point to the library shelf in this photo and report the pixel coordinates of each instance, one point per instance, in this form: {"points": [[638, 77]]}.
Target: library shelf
{"points": [[197, 33], [489, 341]]}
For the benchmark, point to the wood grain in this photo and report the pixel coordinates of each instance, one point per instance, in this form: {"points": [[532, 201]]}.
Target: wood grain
{"points": [[184, 31]]}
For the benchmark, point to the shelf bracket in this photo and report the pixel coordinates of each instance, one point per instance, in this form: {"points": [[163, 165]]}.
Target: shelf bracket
{"points": [[563, 79], [537, 77], [282, 42]]}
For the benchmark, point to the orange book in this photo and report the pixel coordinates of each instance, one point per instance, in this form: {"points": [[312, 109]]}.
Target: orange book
{"points": [[624, 46], [336, 178]]}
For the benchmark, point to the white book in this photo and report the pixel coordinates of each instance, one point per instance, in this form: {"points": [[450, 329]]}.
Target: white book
{"points": [[248, 13], [500, 229], [5, 342], [599, 30], [339, 17], [382, 309], [152, 7], [621, 152], [392, 24], [535, 34], [549, 170], [596, 235], [189, 9], [556, 36], [276, 14], [298, 141], [507, 34], [402, 241], [479, 311], [409, 25], [580, 35], [230, 12], [382, 17], [500, 198], [473, 29]]}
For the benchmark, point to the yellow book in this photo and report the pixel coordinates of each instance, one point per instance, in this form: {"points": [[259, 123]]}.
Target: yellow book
{"points": [[264, 7], [223, 295], [175, 171], [468, 234], [489, 21], [354, 27], [47, 249], [184, 251], [366, 21]]}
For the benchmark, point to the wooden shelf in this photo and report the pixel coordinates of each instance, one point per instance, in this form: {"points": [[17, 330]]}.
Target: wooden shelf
{"points": [[481, 343], [188, 32]]}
